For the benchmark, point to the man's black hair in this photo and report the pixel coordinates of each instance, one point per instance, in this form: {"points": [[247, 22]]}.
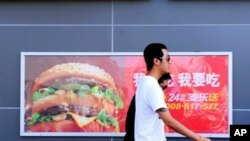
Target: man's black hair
{"points": [[164, 77], [153, 50]]}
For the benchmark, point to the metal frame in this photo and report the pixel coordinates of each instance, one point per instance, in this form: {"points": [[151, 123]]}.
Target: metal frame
{"points": [[22, 89]]}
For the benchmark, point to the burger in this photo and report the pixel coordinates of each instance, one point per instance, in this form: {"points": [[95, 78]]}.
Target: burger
{"points": [[74, 97]]}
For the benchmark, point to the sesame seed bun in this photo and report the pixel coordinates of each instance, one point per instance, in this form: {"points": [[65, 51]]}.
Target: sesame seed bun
{"points": [[74, 69]]}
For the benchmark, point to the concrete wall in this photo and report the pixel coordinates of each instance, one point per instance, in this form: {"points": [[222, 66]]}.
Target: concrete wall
{"points": [[119, 26]]}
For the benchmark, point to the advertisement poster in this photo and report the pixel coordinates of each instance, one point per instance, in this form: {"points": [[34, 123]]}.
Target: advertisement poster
{"points": [[88, 94]]}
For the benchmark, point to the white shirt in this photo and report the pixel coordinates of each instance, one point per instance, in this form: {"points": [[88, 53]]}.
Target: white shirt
{"points": [[149, 98]]}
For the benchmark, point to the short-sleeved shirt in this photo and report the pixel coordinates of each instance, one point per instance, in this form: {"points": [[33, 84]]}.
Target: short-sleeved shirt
{"points": [[149, 98]]}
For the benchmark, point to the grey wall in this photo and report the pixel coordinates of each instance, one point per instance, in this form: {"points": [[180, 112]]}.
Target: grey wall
{"points": [[119, 26]]}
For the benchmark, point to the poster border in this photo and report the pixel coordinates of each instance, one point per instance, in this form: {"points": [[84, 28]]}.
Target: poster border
{"points": [[98, 134]]}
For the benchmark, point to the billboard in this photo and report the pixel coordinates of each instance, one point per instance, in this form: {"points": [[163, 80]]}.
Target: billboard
{"points": [[88, 94]]}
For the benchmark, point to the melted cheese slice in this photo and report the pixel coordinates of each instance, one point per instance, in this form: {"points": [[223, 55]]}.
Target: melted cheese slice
{"points": [[82, 121]]}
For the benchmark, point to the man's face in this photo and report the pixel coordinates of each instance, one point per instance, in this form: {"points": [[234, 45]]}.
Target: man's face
{"points": [[164, 84], [165, 61]]}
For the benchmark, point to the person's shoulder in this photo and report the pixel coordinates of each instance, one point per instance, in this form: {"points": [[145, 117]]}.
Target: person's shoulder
{"points": [[149, 77], [150, 80], [144, 80]]}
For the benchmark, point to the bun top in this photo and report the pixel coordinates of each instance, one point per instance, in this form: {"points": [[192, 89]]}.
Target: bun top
{"points": [[76, 70]]}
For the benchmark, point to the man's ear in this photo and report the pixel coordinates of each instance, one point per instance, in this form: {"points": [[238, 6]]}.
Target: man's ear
{"points": [[157, 61]]}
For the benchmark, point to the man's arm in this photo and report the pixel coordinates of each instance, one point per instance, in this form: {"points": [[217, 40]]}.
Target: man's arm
{"points": [[177, 126]]}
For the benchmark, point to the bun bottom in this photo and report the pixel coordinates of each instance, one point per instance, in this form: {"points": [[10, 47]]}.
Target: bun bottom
{"points": [[68, 126]]}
